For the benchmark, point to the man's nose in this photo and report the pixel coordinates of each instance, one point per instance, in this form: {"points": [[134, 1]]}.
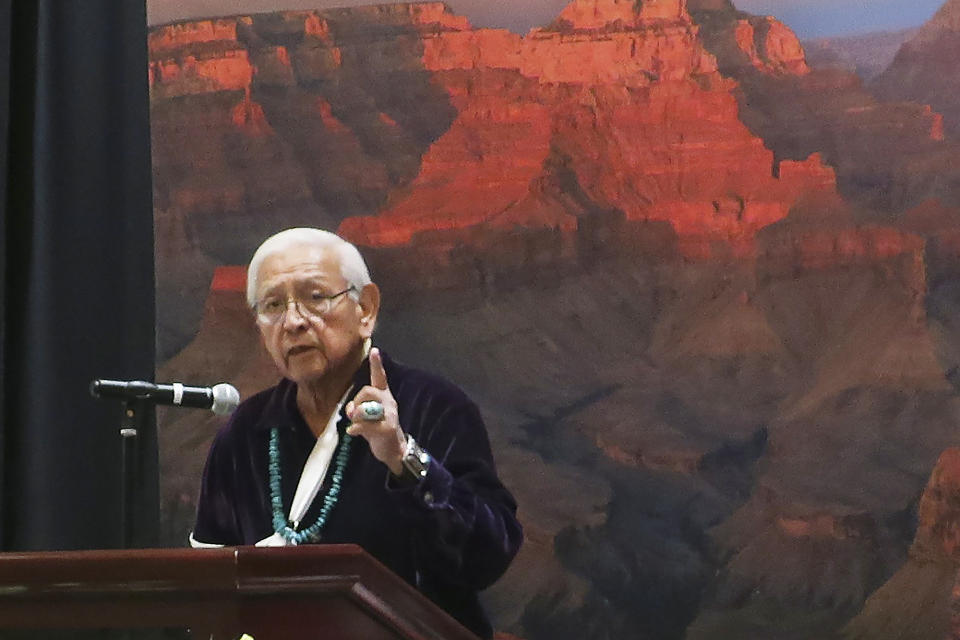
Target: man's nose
{"points": [[294, 318]]}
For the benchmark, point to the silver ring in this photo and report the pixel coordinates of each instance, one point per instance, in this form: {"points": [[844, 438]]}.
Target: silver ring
{"points": [[371, 411]]}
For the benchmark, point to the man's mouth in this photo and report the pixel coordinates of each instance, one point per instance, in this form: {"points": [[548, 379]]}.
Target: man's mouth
{"points": [[295, 351]]}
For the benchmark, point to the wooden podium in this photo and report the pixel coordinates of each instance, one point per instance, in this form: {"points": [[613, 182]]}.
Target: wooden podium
{"points": [[334, 592]]}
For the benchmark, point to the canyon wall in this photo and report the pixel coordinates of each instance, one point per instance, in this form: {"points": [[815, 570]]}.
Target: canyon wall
{"points": [[703, 292], [512, 121]]}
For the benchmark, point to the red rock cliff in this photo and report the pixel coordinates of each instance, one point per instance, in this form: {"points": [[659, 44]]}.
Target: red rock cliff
{"points": [[745, 42], [616, 106], [667, 147]]}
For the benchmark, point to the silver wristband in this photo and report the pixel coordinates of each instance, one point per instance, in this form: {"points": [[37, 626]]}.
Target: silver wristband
{"points": [[416, 461]]}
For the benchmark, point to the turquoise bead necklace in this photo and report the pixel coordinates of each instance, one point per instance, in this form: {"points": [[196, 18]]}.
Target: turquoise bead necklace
{"points": [[280, 523]]}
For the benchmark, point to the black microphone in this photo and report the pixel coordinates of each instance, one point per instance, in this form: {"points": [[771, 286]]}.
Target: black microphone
{"points": [[221, 399]]}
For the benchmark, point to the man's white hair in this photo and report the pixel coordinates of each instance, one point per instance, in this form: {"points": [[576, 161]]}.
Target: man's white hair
{"points": [[352, 266]]}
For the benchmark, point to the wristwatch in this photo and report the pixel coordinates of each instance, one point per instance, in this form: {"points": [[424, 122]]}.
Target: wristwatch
{"points": [[415, 460]]}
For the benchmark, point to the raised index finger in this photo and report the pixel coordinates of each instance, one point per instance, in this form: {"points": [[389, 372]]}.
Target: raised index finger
{"points": [[378, 376]]}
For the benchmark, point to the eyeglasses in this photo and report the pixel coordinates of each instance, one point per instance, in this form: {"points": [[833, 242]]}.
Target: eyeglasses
{"points": [[312, 305]]}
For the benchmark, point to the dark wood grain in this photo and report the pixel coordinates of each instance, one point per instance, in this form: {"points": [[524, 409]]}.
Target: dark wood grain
{"points": [[334, 592]]}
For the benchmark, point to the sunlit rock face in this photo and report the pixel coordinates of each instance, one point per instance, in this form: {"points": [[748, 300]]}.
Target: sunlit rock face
{"points": [[464, 126], [745, 42], [627, 79]]}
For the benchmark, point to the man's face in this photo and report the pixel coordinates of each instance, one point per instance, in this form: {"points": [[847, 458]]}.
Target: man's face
{"points": [[306, 348]]}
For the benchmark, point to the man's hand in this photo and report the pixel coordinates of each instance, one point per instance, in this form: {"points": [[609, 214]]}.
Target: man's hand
{"points": [[385, 437]]}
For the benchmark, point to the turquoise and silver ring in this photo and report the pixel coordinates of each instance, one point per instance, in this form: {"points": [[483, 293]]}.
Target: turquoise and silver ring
{"points": [[371, 411]]}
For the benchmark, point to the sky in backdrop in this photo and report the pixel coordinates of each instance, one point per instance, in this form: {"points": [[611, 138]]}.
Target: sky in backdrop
{"points": [[809, 18]]}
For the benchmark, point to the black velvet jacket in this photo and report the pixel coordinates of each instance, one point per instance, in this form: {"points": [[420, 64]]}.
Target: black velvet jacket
{"points": [[450, 536]]}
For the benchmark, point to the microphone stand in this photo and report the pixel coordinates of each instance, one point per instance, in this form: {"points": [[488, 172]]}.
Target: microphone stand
{"points": [[129, 424], [136, 398]]}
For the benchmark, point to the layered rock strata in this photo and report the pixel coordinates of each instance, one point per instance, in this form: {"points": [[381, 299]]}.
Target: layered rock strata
{"points": [[615, 106]]}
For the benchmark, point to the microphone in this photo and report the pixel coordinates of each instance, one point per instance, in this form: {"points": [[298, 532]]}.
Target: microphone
{"points": [[221, 399]]}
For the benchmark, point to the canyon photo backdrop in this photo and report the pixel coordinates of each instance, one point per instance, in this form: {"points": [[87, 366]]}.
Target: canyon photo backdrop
{"points": [[704, 289]]}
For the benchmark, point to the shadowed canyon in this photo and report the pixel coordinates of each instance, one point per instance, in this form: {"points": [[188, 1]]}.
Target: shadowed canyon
{"points": [[704, 292]]}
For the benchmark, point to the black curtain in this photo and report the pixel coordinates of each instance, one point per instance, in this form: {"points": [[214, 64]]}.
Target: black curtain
{"points": [[76, 270]]}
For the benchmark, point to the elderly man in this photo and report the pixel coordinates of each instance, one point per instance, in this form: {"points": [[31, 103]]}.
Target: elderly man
{"points": [[351, 446]]}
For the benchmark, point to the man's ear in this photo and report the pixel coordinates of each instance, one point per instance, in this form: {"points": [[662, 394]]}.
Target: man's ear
{"points": [[369, 308]]}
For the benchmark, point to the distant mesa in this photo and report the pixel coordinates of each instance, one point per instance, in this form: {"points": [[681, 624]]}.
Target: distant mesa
{"points": [[866, 55], [924, 69]]}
